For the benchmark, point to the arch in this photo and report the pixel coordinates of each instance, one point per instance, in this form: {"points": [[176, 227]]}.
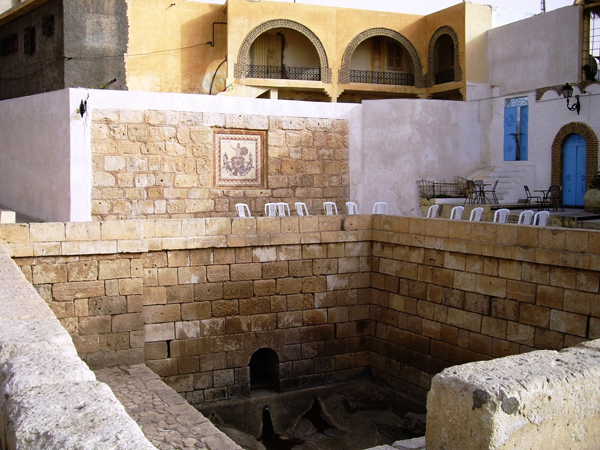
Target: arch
{"points": [[344, 72], [432, 55], [241, 67], [591, 158], [264, 369]]}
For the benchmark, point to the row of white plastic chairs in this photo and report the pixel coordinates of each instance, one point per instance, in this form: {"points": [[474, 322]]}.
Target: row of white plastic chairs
{"points": [[329, 208], [526, 217]]}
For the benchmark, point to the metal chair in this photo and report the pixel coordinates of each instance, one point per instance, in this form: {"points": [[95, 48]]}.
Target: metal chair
{"points": [[541, 218], [301, 209], [456, 212], [352, 208], [283, 209], [530, 197], [380, 208], [330, 208], [525, 217], [476, 214], [471, 192], [555, 198], [242, 210], [493, 192], [501, 215], [271, 209], [432, 211]]}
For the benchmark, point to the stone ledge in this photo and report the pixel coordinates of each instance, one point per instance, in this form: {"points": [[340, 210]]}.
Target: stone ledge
{"points": [[543, 399]]}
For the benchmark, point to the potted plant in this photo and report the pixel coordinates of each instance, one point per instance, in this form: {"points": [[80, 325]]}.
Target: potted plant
{"points": [[591, 200]]}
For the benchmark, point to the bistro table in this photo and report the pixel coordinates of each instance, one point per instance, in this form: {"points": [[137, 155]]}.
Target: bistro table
{"points": [[544, 201], [480, 194]]}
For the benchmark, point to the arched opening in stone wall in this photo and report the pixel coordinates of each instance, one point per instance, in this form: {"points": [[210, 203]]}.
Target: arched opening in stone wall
{"points": [[264, 369]]}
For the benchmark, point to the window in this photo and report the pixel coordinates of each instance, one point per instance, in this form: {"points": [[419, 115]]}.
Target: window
{"points": [[29, 40], [48, 25], [516, 120], [394, 56], [9, 44]]}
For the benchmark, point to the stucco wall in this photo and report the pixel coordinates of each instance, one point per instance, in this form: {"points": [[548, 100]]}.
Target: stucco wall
{"points": [[540, 51], [34, 162], [407, 140], [26, 74], [169, 48]]}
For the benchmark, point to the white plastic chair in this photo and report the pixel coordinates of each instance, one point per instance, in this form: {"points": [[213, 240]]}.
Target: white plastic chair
{"points": [[501, 215], [283, 209], [351, 208], [301, 209], [476, 214], [432, 211], [242, 210], [541, 218], [270, 209], [456, 212], [525, 217], [330, 208], [380, 208]]}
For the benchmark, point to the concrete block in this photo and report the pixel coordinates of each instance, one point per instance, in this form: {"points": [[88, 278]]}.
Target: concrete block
{"points": [[7, 216]]}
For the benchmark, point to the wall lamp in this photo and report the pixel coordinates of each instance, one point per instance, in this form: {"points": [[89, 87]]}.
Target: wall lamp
{"points": [[567, 92]]}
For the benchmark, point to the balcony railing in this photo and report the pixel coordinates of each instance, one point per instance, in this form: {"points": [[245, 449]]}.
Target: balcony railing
{"points": [[285, 73], [446, 76], [367, 76]]}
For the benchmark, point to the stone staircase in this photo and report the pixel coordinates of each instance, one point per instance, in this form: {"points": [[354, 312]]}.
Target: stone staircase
{"points": [[511, 176]]}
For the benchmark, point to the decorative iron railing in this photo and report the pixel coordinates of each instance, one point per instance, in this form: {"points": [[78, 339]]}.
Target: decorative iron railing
{"points": [[445, 76], [371, 77], [285, 73]]}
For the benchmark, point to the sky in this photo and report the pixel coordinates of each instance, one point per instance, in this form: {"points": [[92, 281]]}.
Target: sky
{"points": [[424, 6]]}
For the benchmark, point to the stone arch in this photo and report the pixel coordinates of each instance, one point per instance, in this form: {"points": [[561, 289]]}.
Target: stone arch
{"points": [[344, 72], [591, 155], [241, 66], [264, 369], [432, 56]]}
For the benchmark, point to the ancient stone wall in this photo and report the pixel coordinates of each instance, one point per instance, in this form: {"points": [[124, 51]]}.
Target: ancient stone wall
{"points": [[160, 164], [334, 296], [450, 292]]}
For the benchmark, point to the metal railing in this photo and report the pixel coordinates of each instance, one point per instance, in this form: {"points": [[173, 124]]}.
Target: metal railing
{"points": [[430, 188], [372, 77], [285, 73], [446, 76]]}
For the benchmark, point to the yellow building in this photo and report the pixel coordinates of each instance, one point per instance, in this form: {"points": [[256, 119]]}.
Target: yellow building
{"points": [[246, 48], [304, 52]]}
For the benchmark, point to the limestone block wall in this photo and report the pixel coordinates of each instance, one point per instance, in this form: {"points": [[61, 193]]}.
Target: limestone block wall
{"points": [[159, 164], [451, 292], [334, 296]]}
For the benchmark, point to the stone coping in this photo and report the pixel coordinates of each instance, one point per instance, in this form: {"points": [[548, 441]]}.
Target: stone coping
{"points": [[574, 248], [49, 398]]}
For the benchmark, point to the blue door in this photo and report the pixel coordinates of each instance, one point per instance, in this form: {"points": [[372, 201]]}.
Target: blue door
{"points": [[574, 170], [516, 124]]}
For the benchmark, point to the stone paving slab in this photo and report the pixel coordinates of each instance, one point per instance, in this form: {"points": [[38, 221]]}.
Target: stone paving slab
{"points": [[167, 420]]}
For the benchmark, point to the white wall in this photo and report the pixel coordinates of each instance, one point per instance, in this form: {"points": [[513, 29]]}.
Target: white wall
{"points": [[407, 140], [546, 118], [539, 51], [34, 156]]}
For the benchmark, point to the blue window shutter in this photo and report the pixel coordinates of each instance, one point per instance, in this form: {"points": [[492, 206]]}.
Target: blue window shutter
{"points": [[510, 130], [524, 133]]}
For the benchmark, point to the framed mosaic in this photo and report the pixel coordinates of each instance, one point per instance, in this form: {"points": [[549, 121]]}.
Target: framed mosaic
{"points": [[239, 159]]}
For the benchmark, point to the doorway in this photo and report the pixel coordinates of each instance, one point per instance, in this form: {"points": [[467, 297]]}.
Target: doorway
{"points": [[574, 159]]}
